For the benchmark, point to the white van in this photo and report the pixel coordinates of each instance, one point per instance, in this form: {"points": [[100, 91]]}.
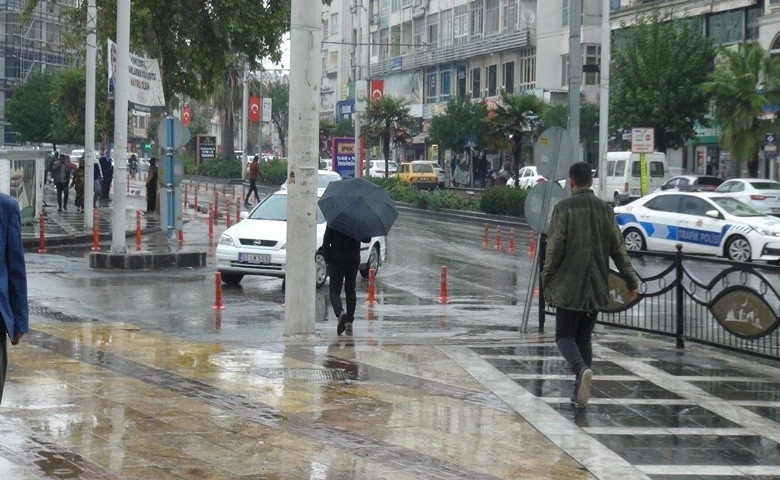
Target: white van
{"points": [[621, 176]]}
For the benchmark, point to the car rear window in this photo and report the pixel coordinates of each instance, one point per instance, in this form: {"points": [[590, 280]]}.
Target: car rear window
{"points": [[422, 168], [656, 169], [709, 181], [765, 185]]}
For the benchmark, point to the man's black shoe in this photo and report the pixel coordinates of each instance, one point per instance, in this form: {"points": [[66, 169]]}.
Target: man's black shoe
{"points": [[342, 323]]}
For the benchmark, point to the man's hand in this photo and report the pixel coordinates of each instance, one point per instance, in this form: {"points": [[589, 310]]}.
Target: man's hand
{"points": [[17, 338]]}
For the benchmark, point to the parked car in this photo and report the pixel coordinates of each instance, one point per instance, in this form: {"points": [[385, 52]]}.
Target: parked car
{"points": [[324, 177], [703, 222], [441, 176], [326, 164], [759, 193], [257, 245], [376, 168], [527, 178], [691, 183], [419, 173]]}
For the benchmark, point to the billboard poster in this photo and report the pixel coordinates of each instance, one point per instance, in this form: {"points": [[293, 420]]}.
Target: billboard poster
{"points": [[343, 152], [145, 92]]}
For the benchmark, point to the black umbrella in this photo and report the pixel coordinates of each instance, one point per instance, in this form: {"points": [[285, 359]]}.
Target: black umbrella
{"points": [[358, 208]]}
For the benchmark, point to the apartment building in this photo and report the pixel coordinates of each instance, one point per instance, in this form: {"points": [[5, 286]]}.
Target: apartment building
{"points": [[27, 47]]}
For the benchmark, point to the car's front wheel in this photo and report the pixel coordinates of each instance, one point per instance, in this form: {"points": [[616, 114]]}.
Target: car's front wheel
{"points": [[738, 249], [373, 262], [634, 240], [231, 278], [322, 270]]}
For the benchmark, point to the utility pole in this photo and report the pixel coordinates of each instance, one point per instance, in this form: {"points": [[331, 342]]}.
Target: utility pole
{"points": [[359, 106], [606, 57], [118, 217], [245, 122], [89, 117], [575, 74], [305, 72]]}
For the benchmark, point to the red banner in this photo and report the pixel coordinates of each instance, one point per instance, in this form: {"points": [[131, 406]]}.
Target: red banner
{"points": [[377, 89], [254, 109], [185, 115]]}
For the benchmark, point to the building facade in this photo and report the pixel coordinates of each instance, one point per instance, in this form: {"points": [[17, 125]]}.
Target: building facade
{"points": [[28, 47]]}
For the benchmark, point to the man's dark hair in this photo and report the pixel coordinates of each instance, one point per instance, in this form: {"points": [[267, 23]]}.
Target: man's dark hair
{"points": [[581, 175]]}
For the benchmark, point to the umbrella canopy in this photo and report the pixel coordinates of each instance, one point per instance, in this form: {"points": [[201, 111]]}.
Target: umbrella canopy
{"points": [[358, 208]]}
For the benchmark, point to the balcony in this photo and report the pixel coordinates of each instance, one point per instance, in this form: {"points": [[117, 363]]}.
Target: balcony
{"points": [[452, 53]]}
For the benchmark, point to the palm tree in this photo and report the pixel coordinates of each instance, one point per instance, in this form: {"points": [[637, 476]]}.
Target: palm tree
{"points": [[388, 122], [514, 116], [743, 83], [227, 100]]}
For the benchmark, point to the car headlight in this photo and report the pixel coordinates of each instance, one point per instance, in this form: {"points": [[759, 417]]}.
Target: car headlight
{"points": [[768, 233], [225, 239]]}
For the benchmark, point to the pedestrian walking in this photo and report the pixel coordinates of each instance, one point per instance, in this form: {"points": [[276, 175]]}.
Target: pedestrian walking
{"points": [[78, 184], [254, 169], [582, 238], [151, 186], [13, 281], [342, 255], [97, 185], [60, 172], [107, 169]]}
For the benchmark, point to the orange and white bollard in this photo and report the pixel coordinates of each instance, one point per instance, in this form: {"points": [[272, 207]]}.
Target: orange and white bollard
{"points": [[498, 238], [128, 183], [181, 237], [138, 230], [218, 292], [211, 223], [185, 197], [512, 241], [216, 204], [371, 300], [486, 238], [532, 245], [95, 231], [227, 212], [41, 234], [238, 209], [443, 290]]}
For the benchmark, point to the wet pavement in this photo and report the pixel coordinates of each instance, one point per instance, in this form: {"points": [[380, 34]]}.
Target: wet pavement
{"points": [[159, 385]]}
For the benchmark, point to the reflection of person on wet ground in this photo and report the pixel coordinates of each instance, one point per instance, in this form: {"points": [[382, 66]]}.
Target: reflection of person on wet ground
{"points": [[335, 358]]}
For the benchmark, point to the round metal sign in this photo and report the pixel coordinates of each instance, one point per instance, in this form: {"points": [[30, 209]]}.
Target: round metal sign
{"points": [[181, 134], [534, 205], [554, 153]]}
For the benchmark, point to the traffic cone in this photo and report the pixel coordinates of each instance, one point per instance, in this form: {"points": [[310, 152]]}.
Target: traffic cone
{"points": [[486, 239], [532, 245], [498, 238], [512, 241]]}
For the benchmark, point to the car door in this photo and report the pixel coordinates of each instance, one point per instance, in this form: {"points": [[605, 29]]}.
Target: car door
{"points": [[698, 232], [657, 219]]}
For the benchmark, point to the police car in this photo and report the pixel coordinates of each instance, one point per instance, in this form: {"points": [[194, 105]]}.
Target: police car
{"points": [[702, 222]]}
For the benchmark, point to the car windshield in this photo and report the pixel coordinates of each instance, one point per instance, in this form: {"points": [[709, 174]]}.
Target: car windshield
{"points": [[735, 207], [274, 207]]}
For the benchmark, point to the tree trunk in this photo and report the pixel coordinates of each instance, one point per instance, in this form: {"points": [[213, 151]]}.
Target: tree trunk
{"points": [[386, 152], [517, 150]]}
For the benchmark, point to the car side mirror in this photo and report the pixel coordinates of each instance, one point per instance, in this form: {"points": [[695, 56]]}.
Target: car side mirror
{"points": [[713, 213]]}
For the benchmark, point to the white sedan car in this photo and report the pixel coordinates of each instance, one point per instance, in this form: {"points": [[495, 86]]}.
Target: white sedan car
{"points": [[702, 222], [527, 178], [759, 193], [376, 168], [324, 177], [257, 245]]}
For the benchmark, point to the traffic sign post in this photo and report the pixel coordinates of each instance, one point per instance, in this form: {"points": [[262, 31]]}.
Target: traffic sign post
{"points": [[643, 142], [173, 134]]}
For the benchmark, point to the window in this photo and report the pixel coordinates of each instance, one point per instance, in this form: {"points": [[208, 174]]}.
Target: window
{"points": [[477, 18], [510, 15], [751, 29], [433, 30], [655, 169], [527, 70], [444, 93], [384, 42], [565, 69], [395, 5], [460, 24], [508, 77], [334, 24], [491, 17], [476, 87], [419, 34], [565, 13], [446, 28], [325, 28], [666, 203], [395, 48], [492, 80], [460, 74], [592, 57], [726, 27], [431, 83]]}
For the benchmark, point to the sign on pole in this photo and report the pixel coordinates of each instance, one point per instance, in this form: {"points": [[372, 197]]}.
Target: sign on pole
{"points": [[642, 140]]}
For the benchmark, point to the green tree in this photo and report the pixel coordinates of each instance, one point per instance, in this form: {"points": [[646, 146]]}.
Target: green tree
{"points": [[387, 122], [68, 106], [516, 116], [657, 70], [462, 118], [227, 101], [29, 108], [557, 115], [279, 91], [744, 82]]}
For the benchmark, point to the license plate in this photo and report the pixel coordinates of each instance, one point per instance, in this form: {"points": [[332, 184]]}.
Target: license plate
{"points": [[254, 258]]}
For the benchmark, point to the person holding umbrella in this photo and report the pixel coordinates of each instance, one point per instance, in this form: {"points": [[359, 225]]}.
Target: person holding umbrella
{"points": [[355, 209], [342, 254]]}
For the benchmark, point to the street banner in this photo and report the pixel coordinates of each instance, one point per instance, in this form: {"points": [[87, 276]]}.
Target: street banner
{"points": [[267, 107], [145, 92], [377, 89], [186, 113], [343, 152], [254, 109]]}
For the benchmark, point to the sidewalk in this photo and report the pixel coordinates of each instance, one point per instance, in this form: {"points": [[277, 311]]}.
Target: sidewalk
{"points": [[409, 396]]}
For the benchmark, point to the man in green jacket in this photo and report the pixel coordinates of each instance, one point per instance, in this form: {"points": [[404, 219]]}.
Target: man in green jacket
{"points": [[583, 236]]}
